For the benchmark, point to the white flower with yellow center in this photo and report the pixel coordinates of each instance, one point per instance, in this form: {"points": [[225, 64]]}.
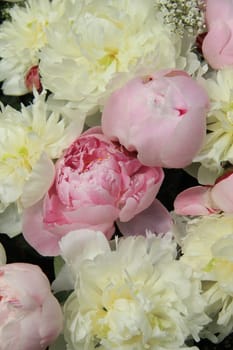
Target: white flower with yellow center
{"points": [[208, 248], [29, 140], [106, 44], [136, 297], [218, 145], [21, 39]]}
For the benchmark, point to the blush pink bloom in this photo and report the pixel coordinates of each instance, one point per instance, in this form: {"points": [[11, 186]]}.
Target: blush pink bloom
{"points": [[97, 182], [162, 117], [30, 316], [217, 46], [205, 200]]}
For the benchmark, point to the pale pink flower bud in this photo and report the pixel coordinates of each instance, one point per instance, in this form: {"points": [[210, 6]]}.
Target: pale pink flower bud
{"points": [[162, 117], [30, 316]]}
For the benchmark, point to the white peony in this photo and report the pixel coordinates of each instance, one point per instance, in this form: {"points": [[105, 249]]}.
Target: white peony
{"points": [[21, 39], [106, 44], [208, 247], [30, 139], [136, 297], [218, 146]]}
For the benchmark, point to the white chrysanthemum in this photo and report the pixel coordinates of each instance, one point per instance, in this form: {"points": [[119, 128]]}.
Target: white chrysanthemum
{"points": [[106, 44], [208, 249], [29, 140], [136, 297], [218, 146], [21, 39], [2, 255]]}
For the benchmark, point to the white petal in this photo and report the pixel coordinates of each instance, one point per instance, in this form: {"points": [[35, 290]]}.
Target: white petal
{"points": [[64, 280], [14, 86], [10, 221], [80, 245], [39, 182]]}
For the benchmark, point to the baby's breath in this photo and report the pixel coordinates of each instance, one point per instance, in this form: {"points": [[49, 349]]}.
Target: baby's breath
{"points": [[183, 15]]}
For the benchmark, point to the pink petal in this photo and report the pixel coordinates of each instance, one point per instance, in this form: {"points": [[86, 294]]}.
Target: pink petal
{"points": [[48, 330], [135, 205], [45, 237], [182, 145], [194, 201], [218, 10], [35, 233], [156, 219], [214, 45]]}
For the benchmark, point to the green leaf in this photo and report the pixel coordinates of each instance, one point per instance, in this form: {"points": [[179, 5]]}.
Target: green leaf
{"points": [[59, 344], [58, 263]]}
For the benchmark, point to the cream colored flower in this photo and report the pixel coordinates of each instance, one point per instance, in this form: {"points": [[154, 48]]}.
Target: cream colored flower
{"points": [[30, 139], [208, 248], [2, 255], [218, 146], [136, 297], [106, 44], [21, 40]]}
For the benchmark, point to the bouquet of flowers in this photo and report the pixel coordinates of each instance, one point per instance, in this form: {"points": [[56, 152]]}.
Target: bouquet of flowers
{"points": [[116, 174]]}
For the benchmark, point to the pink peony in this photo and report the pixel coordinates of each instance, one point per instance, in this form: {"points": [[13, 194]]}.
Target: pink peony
{"points": [[217, 46], [205, 200], [30, 316], [162, 117], [97, 181]]}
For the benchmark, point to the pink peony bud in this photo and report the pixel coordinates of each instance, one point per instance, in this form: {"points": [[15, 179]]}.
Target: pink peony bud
{"points": [[218, 43], [31, 317], [162, 117]]}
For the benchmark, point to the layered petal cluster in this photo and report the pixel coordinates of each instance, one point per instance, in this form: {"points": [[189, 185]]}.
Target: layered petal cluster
{"points": [[31, 317], [207, 247], [217, 149], [21, 39], [106, 44], [30, 139], [96, 182], [218, 43], [135, 297], [161, 116]]}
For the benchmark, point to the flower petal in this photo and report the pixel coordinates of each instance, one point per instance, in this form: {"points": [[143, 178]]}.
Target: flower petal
{"points": [[11, 221], [84, 244], [156, 219], [40, 180], [194, 201]]}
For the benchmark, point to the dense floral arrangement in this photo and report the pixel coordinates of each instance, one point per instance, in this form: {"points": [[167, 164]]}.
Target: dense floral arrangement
{"points": [[116, 174]]}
